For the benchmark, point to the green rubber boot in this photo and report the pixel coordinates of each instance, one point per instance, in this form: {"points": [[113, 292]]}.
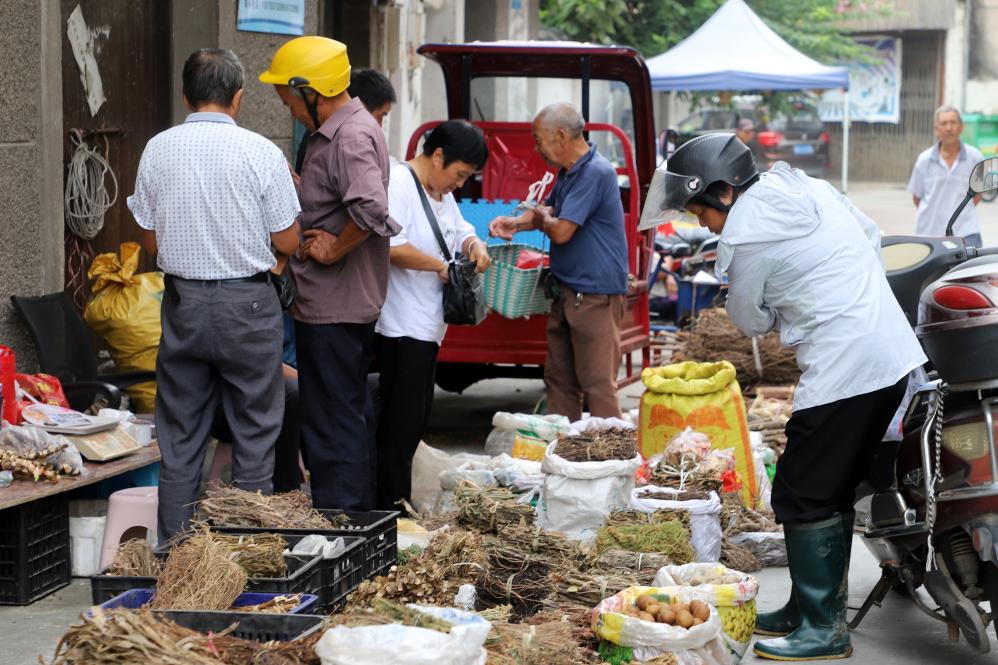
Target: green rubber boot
{"points": [[818, 567], [786, 619]]}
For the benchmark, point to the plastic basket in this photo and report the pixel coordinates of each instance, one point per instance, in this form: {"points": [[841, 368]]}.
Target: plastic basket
{"points": [[379, 528], [514, 292], [256, 627], [136, 598], [305, 575], [34, 550]]}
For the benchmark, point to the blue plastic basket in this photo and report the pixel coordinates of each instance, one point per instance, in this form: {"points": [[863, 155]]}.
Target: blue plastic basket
{"points": [[136, 598]]}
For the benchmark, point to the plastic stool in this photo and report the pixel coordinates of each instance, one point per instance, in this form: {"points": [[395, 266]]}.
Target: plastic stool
{"points": [[128, 511], [222, 457]]}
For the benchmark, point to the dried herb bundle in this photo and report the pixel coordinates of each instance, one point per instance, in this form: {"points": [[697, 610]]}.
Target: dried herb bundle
{"points": [[31, 466], [643, 565], [551, 546], [452, 559], [714, 337], [122, 637], [135, 558], [200, 574], [276, 605], [548, 643], [490, 509], [589, 589], [260, 555], [615, 443], [738, 557], [644, 532], [382, 612], [231, 506], [511, 577], [736, 517]]}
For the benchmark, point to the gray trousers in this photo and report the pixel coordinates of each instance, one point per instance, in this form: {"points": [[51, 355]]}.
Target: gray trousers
{"points": [[221, 344]]}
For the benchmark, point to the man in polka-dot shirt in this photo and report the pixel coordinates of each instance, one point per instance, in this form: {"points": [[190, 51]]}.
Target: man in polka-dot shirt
{"points": [[212, 198]]}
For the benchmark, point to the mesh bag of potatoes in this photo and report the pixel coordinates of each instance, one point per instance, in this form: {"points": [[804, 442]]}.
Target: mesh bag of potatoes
{"points": [[656, 621], [730, 591]]}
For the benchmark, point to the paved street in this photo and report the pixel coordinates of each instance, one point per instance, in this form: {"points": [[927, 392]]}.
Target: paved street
{"points": [[896, 633]]}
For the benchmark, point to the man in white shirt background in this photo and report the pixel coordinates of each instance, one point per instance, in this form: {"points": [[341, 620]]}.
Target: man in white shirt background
{"points": [[212, 198], [939, 181]]}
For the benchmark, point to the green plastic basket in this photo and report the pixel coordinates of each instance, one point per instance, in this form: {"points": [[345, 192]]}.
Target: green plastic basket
{"points": [[514, 292]]}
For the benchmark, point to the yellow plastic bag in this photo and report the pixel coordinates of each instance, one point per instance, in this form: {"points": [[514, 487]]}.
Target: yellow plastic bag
{"points": [[124, 310], [706, 397]]}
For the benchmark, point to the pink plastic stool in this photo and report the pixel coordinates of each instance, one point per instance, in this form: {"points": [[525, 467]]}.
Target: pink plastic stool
{"points": [[131, 514]]}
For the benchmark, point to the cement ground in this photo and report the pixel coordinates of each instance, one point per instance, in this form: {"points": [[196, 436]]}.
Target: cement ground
{"points": [[896, 632]]}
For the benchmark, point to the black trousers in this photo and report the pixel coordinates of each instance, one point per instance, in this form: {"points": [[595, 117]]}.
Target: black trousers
{"points": [[333, 362], [406, 389], [828, 453]]}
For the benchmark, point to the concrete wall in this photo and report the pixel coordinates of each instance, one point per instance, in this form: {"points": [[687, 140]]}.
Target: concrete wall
{"points": [[262, 110], [199, 24], [31, 246]]}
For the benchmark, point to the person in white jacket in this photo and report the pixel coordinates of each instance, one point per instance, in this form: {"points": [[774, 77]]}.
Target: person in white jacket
{"points": [[802, 259]]}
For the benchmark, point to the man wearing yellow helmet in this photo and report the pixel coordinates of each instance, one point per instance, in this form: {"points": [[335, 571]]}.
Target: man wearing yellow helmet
{"points": [[341, 272]]}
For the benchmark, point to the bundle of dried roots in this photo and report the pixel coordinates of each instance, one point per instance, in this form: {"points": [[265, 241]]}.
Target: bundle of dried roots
{"points": [[512, 577], [490, 509], [383, 612], [736, 517], [714, 337], [601, 445], [35, 467], [200, 574], [588, 589], [643, 565], [276, 605], [553, 547], [117, 637], [135, 558], [260, 555], [739, 558], [549, 643], [230, 506]]}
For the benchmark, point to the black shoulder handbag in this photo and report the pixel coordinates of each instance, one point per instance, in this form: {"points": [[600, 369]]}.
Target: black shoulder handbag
{"points": [[464, 294]]}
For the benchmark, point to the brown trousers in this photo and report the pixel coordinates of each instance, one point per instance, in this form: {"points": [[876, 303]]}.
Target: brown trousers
{"points": [[583, 356]]}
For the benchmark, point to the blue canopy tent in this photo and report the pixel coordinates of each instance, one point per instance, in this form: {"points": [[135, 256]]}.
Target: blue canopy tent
{"points": [[736, 50]]}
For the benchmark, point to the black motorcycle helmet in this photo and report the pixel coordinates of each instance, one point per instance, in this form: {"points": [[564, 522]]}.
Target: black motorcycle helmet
{"points": [[691, 170]]}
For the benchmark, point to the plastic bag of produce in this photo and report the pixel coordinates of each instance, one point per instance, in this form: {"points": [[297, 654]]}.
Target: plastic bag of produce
{"points": [[577, 497], [407, 645], [524, 435], [124, 310], [702, 396], [705, 517], [730, 591], [655, 621]]}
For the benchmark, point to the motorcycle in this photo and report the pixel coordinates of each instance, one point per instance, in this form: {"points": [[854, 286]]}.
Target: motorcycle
{"points": [[933, 516]]}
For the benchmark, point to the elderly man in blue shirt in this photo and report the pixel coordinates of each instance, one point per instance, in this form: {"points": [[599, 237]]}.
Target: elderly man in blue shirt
{"points": [[939, 181], [584, 218]]}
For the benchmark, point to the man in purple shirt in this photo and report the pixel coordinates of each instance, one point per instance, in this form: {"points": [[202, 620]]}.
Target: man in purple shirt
{"points": [[341, 272]]}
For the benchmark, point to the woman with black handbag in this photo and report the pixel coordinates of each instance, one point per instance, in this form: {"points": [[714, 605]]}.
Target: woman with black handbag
{"points": [[436, 261]]}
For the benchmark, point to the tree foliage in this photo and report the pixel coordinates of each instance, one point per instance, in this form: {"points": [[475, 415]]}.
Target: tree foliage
{"points": [[814, 27], [654, 26]]}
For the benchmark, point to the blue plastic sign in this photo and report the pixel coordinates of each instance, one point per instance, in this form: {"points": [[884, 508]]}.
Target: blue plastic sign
{"points": [[283, 17]]}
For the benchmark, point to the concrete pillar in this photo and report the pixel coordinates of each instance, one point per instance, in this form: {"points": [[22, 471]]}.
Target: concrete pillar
{"points": [[31, 222], [445, 24], [955, 62], [262, 110]]}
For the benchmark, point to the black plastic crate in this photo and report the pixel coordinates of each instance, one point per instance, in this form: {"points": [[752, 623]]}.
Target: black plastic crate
{"points": [[305, 575], [339, 575], [257, 627], [34, 550], [379, 529]]}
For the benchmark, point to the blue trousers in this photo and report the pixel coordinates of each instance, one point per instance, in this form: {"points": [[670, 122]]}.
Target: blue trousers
{"points": [[333, 362]]}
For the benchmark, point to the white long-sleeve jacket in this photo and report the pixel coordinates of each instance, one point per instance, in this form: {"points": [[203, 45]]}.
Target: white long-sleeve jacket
{"points": [[800, 257]]}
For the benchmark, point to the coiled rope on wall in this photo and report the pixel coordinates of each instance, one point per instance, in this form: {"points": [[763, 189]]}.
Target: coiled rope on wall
{"points": [[87, 200]]}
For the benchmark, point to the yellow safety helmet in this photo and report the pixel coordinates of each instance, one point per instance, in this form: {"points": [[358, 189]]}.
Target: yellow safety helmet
{"points": [[312, 62]]}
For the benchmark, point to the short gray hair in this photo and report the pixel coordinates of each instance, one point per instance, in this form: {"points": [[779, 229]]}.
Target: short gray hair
{"points": [[212, 75], [562, 116], [947, 108]]}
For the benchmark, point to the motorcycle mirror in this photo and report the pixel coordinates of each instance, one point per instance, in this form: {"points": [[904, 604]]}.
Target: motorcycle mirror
{"points": [[984, 177]]}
